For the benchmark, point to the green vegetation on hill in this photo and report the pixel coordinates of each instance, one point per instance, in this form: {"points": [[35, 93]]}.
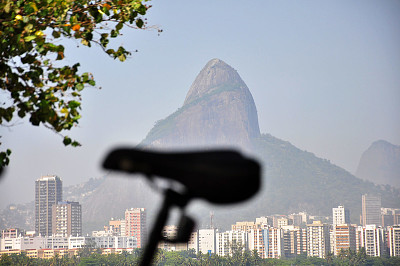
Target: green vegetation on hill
{"points": [[297, 180]]}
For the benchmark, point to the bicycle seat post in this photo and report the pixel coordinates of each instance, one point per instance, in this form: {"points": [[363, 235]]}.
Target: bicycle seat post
{"points": [[171, 198]]}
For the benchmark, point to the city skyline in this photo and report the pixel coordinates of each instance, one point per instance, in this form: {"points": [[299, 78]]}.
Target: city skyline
{"points": [[272, 236], [310, 81]]}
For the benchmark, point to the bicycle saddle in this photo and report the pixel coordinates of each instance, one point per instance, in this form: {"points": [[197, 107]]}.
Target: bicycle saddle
{"points": [[219, 176]]}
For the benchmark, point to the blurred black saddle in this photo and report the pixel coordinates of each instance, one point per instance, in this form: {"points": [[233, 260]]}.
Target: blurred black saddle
{"points": [[219, 176]]}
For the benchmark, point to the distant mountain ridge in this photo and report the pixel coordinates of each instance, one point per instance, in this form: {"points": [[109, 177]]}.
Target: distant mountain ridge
{"points": [[380, 164]]}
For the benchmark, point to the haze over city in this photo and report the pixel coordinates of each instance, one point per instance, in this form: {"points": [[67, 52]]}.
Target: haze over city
{"points": [[324, 76]]}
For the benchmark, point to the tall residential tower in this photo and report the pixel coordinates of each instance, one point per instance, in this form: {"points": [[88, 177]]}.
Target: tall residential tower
{"points": [[136, 225], [48, 191], [67, 218], [371, 210], [340, 216]]}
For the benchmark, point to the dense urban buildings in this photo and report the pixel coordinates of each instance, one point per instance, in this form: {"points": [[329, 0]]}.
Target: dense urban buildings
{"points": [[48, 191], [275, 236]]}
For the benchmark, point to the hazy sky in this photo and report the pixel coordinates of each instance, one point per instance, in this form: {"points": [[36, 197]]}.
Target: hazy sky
{"points": [[325, 76]]}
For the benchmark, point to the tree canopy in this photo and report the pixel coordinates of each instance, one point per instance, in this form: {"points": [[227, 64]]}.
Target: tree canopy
{"points": [[33, 77]]}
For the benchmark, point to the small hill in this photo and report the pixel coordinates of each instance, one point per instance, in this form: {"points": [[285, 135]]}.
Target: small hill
{"points": [[380, 164]]}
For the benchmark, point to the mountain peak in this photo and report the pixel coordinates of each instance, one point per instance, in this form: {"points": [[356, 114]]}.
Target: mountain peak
{"points": [[380, 163], [218, 110], [215, 74]]}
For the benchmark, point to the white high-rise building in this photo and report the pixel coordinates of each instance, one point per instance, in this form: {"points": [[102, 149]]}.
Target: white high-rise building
{"points": [[229, 240], [267, 241], [340, 216], [394, 240], [372, 238], [318, 240], [207, 240]]}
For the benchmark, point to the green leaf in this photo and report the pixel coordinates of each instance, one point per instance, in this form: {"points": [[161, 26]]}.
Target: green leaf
{"points": [[122, 57], [7, 7], [67, 141], [114, 33], [110, 51], [79, 86], [73, 104], [29, 38], [56, 34], [75, 144], [142, 10], [85, 76], [139, 23], [119, 26]]}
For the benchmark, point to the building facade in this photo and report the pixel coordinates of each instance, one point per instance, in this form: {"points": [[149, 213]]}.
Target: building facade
{"points": [[48, 191], [344, 236], [267, 241], [372, 238], [136, 225], [228, 241], [318, 240], [294, 241], [207, 241], [340, 215], [390, 216], [67, 218], [393, 235], [60, 242], [371, 210]]}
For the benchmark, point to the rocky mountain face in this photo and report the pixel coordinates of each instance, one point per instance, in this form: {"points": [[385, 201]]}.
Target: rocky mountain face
{"points": [[218, 110], [380, 164]]}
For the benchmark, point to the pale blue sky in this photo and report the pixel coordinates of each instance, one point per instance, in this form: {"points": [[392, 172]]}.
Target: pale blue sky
{"points": [[325, 76]]}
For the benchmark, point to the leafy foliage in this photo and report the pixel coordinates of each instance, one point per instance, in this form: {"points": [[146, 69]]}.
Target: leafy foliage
{"points": [[30, 76]]}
